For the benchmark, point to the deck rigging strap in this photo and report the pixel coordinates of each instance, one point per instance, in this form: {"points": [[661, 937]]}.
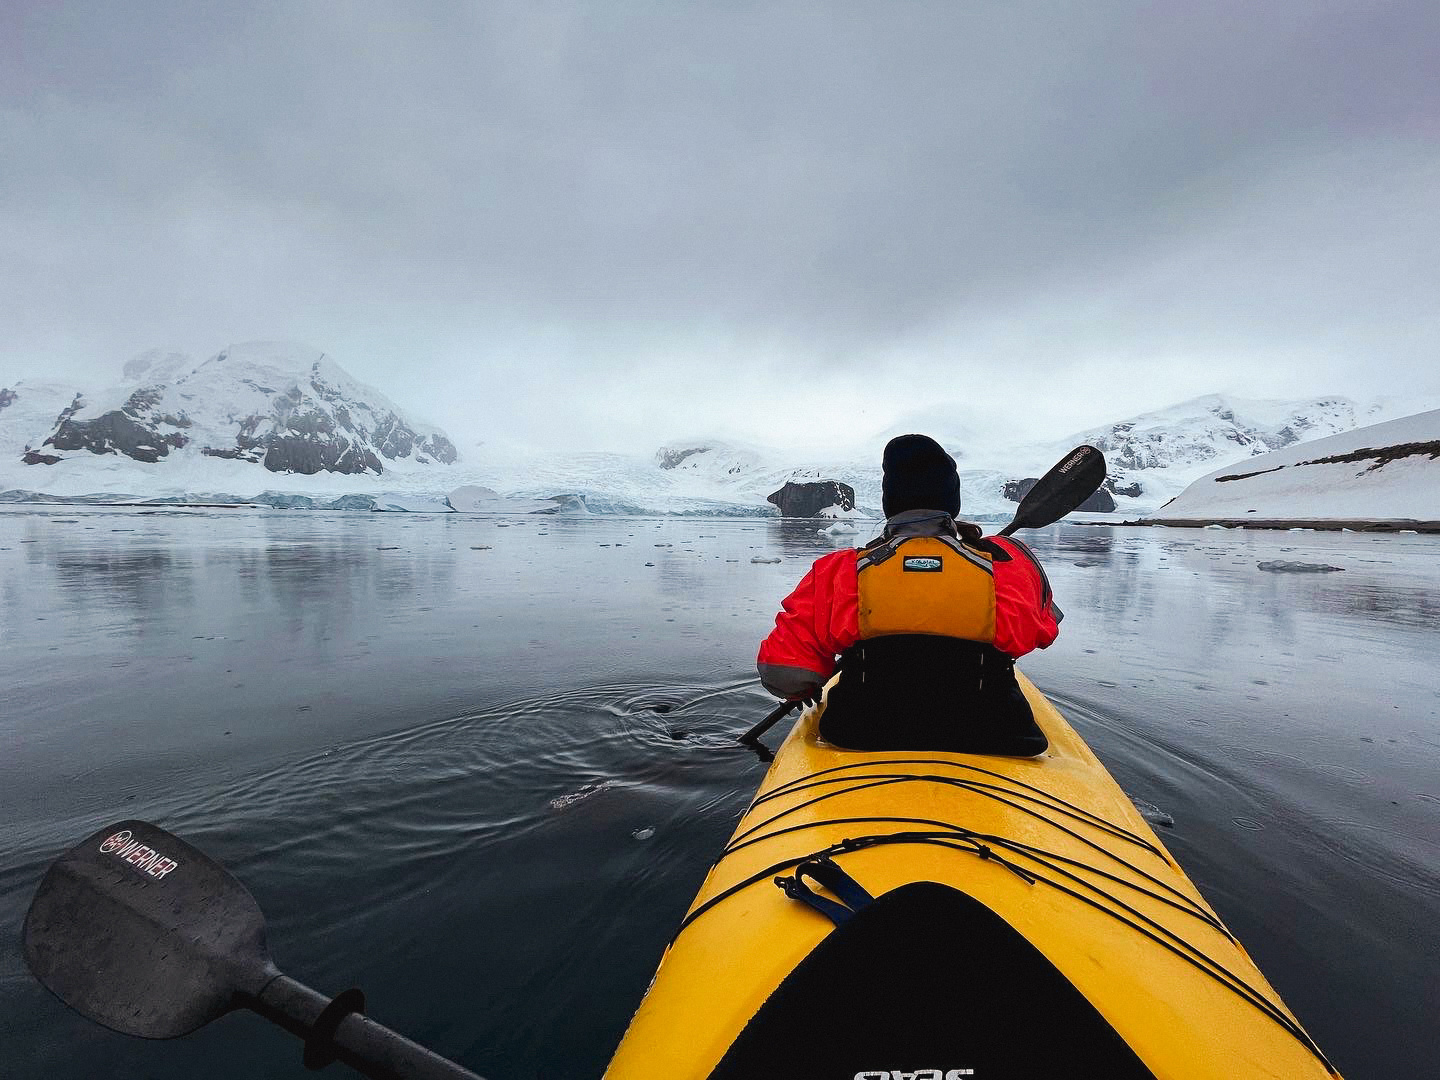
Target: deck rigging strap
{"points": [[825, 871]]}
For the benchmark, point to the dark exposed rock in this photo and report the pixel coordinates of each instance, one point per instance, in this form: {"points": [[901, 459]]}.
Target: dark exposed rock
{"points": [[314, 423], [1102, 502], [309, 442], [669, 459], [297, 453], [1015, 490], [393, 438], [441, 449], [32, 458], [807, 500], [115, 432], [7, 397]]}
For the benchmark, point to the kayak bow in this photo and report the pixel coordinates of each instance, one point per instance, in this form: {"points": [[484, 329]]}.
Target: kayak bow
{"points": [[942, 915]]}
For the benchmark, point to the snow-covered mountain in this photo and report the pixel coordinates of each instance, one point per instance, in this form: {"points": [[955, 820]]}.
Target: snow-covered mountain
{"points": [[1157, 455], [1151, 457], [174, 427], [1388, 471], [257, 408]]}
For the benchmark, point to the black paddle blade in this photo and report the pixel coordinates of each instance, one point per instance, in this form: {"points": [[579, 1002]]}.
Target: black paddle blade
{"points": [[139, 931], [1074, 479]]}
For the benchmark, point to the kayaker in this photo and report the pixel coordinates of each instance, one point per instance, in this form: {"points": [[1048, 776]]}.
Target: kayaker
{"points": [[926, 620]]}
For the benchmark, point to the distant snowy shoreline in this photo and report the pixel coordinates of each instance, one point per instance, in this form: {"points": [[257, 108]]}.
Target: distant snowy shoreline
{"points": [[1392, 525], [286, 426], [1383, 477]]}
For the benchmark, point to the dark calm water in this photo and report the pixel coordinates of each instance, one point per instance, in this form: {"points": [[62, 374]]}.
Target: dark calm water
{"points": [[483, 785]]}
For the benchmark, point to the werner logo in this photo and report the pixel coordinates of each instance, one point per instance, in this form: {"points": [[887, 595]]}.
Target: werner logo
{"points": [[918, 1074], [147, 860]]}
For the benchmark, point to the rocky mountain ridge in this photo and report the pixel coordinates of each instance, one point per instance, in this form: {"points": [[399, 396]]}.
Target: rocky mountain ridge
{"points": [[303, 404], [285, 407]]}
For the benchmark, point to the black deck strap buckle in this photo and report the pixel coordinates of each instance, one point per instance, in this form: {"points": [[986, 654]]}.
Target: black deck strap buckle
{"points": [[828, 873], [320, 1043], [796, 889]]}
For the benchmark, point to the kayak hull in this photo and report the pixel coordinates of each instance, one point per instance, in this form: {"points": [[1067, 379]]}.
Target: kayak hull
{"points": [[1049, 846]]}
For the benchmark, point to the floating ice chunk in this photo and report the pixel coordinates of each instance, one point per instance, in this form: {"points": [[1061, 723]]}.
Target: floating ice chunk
{"points": [[1285, 566], [560, 802], [840, 528], [645, 833], [1153, 814], [765, 559], [472, 499]]}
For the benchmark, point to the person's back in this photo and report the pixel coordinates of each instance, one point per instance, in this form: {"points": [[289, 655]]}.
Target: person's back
{"points": [[927, 621]]}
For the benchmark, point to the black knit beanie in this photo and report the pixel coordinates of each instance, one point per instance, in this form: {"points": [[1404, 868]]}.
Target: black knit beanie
{"points": [[919, 475]]}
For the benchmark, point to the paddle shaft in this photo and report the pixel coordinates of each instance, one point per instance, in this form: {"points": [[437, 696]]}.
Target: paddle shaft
{"points": [[769, 721], [367, 1047]]}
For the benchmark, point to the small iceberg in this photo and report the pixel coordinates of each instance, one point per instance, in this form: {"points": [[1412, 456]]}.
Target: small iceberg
{"points": [[1284, 566]]}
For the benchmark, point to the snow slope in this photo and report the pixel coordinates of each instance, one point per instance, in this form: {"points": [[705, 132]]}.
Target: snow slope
{"points": [[1385, 471], [1161, 453]]}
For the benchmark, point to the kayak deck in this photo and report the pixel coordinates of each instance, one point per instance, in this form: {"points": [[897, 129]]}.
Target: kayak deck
{"points": [[1048, 849]]}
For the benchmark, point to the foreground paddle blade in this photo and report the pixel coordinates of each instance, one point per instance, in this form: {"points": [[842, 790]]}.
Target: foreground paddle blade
{"points": [[137, 930], [1073, 480]]}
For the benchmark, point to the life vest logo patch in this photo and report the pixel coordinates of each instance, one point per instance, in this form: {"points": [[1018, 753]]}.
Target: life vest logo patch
{"points": [[924, 564]]}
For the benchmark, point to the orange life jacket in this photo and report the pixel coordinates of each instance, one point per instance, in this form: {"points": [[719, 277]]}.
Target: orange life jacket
{"points": [[927, 585]]}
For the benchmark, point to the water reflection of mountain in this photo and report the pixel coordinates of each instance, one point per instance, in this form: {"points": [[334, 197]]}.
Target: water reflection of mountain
{"points": [[144, 578]]}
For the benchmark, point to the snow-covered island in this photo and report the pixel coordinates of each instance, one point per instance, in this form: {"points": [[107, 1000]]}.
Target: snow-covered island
{"points": [[1382, 475]]}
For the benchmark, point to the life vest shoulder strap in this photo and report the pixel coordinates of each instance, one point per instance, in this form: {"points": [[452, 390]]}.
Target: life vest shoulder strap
{"points": [[878, 552]]}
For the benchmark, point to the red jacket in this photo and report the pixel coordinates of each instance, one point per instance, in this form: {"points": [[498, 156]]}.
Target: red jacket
{"points": [[821, 618]]}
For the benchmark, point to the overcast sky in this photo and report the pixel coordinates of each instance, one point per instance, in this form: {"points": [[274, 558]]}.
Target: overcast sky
{"points": [[619, 223]]}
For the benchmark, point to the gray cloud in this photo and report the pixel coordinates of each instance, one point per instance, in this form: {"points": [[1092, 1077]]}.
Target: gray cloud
{"points": [[628, 221]]}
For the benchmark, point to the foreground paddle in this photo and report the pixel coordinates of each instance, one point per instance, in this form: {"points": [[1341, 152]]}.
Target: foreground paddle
{"points": [[751, 738], [1072, 480], [1075, 477], [139, 931]]}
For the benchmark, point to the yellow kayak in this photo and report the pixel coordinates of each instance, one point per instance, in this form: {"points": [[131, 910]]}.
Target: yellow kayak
{"points": [[942, 916]]}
